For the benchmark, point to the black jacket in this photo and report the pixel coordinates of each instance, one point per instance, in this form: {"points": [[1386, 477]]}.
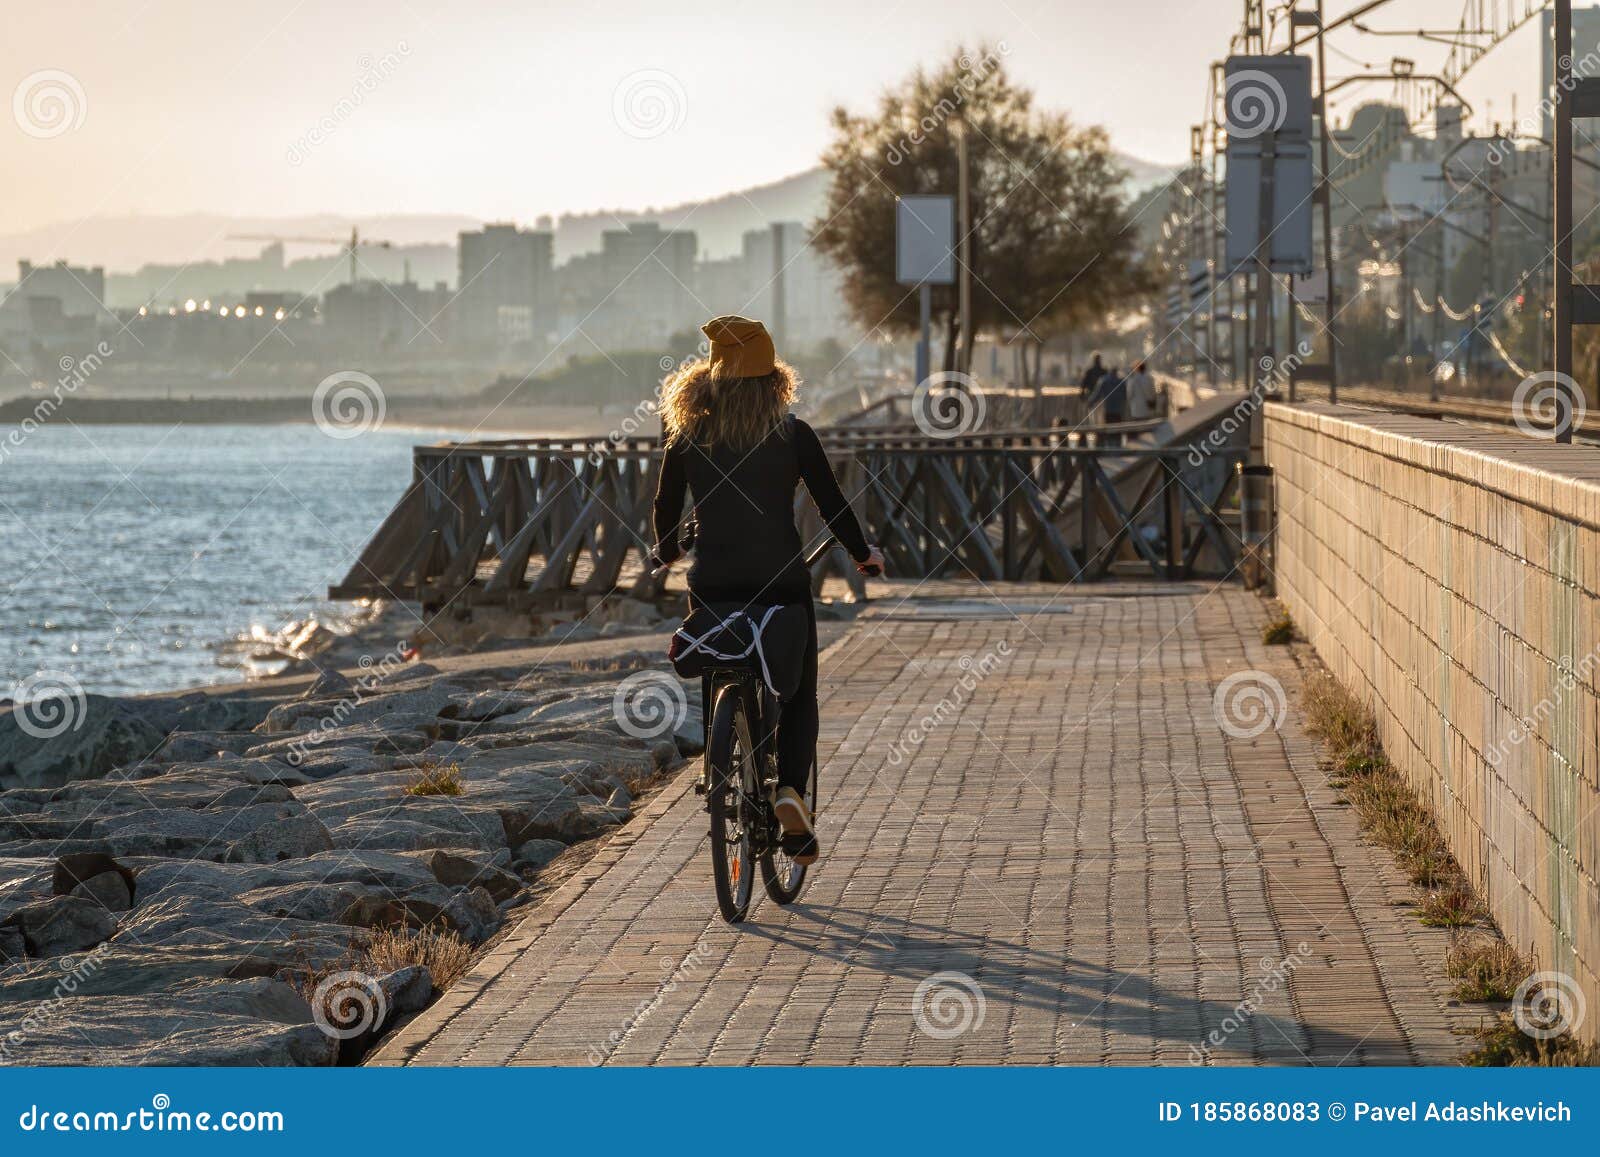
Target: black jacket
{"points": [[746, 543]]}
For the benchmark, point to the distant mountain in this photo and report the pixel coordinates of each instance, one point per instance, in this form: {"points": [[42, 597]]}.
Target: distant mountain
{"points": [[720, 223], [124, 244]]}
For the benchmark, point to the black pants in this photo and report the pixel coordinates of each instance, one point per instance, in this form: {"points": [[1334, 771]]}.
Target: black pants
{"points": [[798, 718]]}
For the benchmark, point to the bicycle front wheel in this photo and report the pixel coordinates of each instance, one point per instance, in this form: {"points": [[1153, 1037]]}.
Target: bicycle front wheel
{"points": [[730, 759]]}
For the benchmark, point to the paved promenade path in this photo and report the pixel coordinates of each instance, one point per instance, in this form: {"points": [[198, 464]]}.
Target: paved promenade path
{"points": [[1042, 846]]}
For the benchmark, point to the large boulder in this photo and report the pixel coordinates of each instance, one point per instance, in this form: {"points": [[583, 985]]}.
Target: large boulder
{"points": [[411, 829], [200, 746], [99, 734], [433, 700], [290, 838], [243, 1023], [459, 868], [381, 870], [535, 854], [308, 900], [258, 941], [222, 711], [62, 924], [189, 832], [71, 871], [109, 890], [407, 990], [396, 735], [481, 706]]}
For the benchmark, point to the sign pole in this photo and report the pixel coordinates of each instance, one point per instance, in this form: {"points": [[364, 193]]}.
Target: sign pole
{"points": [[925, 306], [1561, 156], [1330, 307]]}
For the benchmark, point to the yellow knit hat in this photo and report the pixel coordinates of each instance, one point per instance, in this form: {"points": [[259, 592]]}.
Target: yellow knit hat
{"points": [[740, 348]]}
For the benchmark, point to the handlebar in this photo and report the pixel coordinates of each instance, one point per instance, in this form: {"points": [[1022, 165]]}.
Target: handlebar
{"points": [[817, 556]]}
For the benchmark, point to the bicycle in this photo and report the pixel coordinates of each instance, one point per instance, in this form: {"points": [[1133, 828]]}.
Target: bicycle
{"points": [[739, 780]]}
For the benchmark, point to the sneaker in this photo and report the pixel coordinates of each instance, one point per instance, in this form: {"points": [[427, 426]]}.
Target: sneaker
{"points": [[792, 812], [802, 849]]}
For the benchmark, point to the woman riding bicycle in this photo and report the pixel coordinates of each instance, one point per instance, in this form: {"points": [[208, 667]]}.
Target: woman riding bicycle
{"points": [[731, 440]]}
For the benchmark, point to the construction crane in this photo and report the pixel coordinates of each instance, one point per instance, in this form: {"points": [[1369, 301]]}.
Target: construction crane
{"points": [[349, 246]]}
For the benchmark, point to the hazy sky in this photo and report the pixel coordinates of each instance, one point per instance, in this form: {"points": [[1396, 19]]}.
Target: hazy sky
{"points": [[512, 109]]}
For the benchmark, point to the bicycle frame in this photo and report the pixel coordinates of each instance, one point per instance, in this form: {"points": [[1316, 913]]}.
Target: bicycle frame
{"points": [[761, 709]]}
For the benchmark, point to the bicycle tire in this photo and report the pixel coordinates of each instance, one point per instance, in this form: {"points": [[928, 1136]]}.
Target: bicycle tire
{"points": [[782, 877], [730, 764]]}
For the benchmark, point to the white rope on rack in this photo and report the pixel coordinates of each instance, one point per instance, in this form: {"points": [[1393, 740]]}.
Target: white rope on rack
{"points": [[1511, 362], [1453, 315]]}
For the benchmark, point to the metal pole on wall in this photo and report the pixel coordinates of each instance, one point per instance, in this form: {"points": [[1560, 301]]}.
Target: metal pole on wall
{"points": [[1561, 179], [964, 243], [1325, 190], [925, 307]]}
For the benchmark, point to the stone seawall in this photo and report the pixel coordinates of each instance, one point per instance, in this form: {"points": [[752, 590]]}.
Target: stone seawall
{"points": [[1450, 576]]}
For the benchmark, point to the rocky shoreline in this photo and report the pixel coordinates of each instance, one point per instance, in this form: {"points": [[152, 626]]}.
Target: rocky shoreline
{"points": [[279, 873]]}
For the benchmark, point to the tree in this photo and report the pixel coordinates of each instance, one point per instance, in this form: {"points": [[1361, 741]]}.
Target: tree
{"points": [[1051, 245]]}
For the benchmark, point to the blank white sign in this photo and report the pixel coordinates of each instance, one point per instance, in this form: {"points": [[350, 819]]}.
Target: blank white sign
{"points": [[924, 240]]}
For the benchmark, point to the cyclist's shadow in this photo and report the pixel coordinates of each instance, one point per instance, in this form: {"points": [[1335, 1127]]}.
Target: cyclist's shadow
{"points": [[1027, 975]]}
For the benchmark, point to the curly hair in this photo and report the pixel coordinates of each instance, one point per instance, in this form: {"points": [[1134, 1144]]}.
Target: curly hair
{"points": [[712, 411]]}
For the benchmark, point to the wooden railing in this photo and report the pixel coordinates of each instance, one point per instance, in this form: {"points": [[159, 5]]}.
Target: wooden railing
{"points": [[512, 521]]}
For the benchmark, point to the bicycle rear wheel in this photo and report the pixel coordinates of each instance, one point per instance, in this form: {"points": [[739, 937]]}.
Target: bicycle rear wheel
{"points": [[780, 874], [731, 801]]}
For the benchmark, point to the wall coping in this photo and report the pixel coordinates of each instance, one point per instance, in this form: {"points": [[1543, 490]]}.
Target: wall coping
{"points": [[1561, 480]]}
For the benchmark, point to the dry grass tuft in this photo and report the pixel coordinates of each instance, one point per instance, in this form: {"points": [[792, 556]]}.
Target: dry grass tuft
{"points": [[436, 779], [444, 954], [1279, 632], [1341, 720], [1503, 1045], [1487, 968], [1452, 906]]}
